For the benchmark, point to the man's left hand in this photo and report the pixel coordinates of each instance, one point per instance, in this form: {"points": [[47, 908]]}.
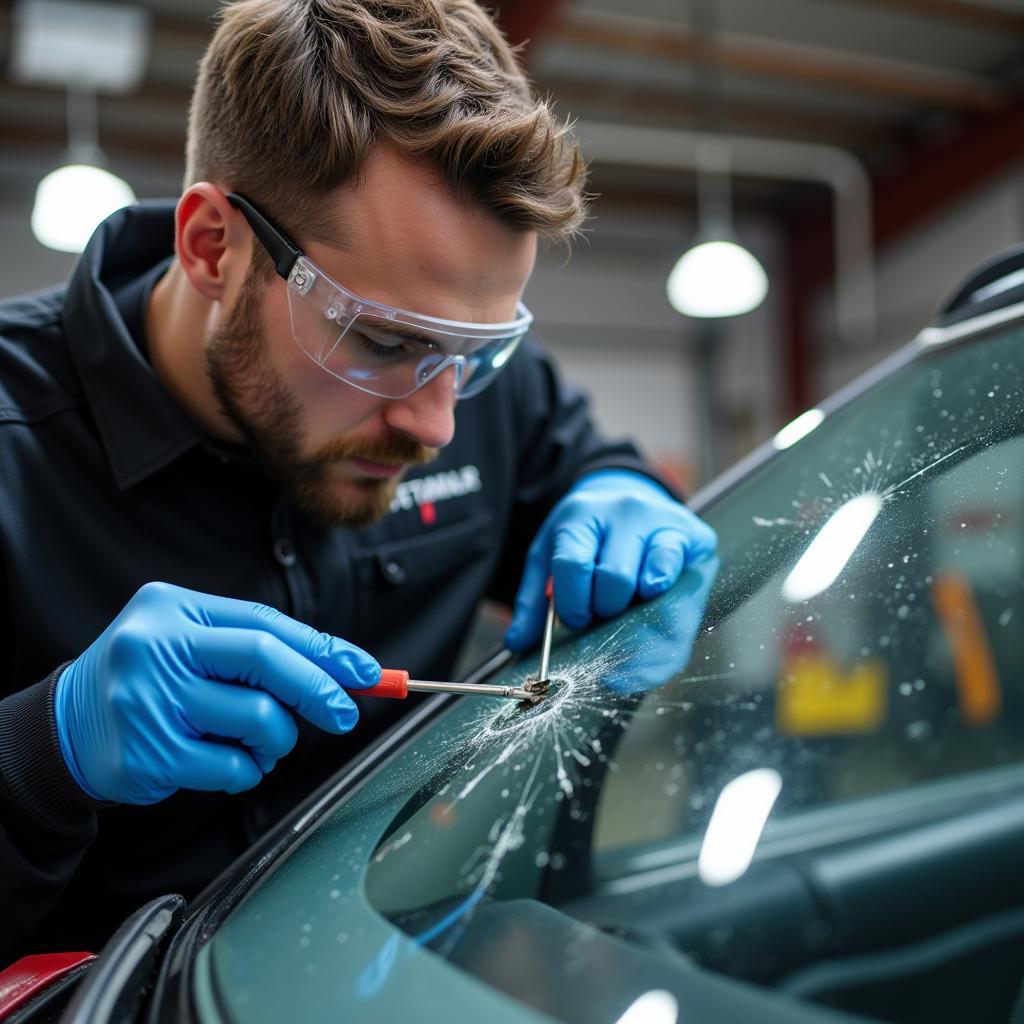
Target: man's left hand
{"points": [[616, 534]]}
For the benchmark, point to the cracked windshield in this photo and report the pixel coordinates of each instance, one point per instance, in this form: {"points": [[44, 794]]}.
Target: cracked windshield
{"points": [[855, 640]]}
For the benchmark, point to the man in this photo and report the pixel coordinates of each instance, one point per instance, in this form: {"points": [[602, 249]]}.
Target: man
{"points": [[266, 441]]}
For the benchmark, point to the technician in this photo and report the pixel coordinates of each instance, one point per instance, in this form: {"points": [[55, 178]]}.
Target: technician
{"points": [[283, 432]]}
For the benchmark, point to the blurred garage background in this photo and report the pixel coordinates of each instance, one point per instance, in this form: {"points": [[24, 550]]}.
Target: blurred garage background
{"points": [[868, 153]]}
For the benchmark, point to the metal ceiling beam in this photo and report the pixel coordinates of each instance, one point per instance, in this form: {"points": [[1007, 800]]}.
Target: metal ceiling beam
{"points": [[947, 169], [523, 21], [929, 177], [747, 55], [121, 144], [573, 96], [999, 19], [581, 97], [157, 96]]}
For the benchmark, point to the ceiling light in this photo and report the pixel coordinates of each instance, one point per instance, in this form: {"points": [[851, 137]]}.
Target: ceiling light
{"points": [[101, 46], [798, 429], [715, 279], [72, 200], [85, 47]]}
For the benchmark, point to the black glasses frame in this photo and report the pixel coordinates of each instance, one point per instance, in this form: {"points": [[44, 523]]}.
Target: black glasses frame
{"points": [[283, 251]]}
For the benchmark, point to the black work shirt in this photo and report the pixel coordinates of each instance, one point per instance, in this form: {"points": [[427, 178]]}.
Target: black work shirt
{"points": [[106, 484]]}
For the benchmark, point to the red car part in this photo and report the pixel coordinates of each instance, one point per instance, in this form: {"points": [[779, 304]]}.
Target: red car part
{"points": [[30, 975]]}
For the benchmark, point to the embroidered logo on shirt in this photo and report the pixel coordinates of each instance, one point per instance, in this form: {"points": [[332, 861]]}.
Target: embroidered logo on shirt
{"points": [[425, 493]]}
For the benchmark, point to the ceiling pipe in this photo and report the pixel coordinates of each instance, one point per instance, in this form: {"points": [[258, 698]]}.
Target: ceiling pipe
{"points": [[844, 174]]}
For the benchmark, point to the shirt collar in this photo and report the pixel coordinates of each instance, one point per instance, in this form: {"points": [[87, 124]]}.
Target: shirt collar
{"points": [[141, 426]]}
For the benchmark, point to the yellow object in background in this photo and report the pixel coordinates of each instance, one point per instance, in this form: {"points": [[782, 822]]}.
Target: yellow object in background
{"points": [[817, 698]]}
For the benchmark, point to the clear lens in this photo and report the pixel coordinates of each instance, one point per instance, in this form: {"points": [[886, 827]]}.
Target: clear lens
{"points": [[386, 351], [483, 365]]}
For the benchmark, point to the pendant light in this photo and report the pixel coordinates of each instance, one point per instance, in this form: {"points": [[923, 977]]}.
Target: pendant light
{"points": [[73, 199], [83, 48], [716, 277]]}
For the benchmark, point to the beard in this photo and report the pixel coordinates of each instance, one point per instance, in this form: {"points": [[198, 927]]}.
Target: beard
{"points": [[262, 408]]}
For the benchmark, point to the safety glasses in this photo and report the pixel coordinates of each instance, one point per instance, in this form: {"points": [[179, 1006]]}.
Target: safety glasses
{"points": [[377, 348]]}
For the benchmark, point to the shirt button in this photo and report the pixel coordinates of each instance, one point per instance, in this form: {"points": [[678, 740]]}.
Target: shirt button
{"points": [[395, 572], [284, 552]]}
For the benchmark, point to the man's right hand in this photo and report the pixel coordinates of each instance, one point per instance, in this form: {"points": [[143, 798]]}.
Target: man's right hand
{"points": [[155, 704]]}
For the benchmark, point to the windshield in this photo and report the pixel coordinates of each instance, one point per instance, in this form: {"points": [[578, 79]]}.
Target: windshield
{"points": [[848, 662]]}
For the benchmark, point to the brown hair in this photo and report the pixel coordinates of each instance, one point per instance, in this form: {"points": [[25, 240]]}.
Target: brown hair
{"points": [[292, 95]]}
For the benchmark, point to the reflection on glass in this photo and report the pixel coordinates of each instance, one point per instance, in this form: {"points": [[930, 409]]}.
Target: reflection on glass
{"points": [[798, 429], [827, 555], [740, 815], [655, 1007]]}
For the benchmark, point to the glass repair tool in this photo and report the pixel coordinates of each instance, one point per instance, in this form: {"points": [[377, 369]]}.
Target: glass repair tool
{"points": [[537, 689], [395, 683], [549, 628]]}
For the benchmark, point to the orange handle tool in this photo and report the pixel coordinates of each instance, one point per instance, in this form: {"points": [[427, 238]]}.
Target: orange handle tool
{"points": [[394, 683]]}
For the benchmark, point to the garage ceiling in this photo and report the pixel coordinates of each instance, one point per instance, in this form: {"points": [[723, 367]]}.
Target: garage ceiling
{"points": [[917, 89], [928, 94], [877, 77]]}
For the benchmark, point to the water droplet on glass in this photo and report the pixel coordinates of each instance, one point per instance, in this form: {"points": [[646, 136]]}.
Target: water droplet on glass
{"points": [[920, 730]]}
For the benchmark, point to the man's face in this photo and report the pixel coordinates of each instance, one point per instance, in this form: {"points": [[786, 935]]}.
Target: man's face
{"points": [[338, 451]]}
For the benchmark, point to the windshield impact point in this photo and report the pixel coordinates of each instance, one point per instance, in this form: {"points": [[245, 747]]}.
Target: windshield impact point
{"points": [[538, 690]]}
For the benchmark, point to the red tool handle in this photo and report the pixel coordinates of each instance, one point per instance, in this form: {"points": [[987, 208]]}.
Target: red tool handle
{"points": [[393, 683], [550, 588]]}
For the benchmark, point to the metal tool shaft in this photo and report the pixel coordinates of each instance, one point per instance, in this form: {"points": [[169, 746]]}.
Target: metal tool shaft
{"points": [[480, 689], [545, 650]]}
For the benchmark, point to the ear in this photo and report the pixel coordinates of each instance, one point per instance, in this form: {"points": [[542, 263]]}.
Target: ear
{"points": [[212, 240]]}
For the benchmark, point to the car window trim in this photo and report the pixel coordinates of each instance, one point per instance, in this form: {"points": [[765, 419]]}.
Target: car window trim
{"points": [[939, 335], [928, 340], [726, 481]]}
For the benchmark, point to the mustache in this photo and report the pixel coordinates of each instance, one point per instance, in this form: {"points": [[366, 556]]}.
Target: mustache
{"points": [[389, 451]]}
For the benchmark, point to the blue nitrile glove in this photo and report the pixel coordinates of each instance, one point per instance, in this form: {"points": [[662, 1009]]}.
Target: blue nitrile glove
{"points": [[662, 634], [614, 535], [190, 691]]}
